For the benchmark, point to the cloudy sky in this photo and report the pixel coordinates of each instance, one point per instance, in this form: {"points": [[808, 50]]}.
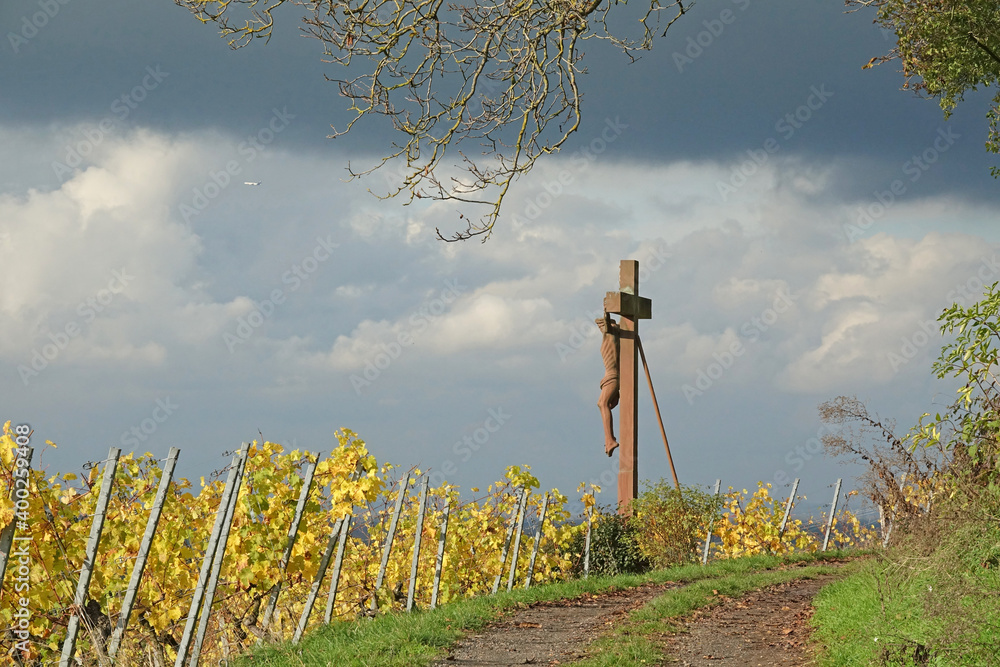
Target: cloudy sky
{"points": [[782, 202]]}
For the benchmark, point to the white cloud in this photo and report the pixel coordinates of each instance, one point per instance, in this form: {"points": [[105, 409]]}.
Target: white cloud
{"points": [[720, 267], [847, 350], [106, 253]]}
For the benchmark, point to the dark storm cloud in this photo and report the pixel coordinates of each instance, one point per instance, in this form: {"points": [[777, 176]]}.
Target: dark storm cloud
{"points": [[728, 76]]}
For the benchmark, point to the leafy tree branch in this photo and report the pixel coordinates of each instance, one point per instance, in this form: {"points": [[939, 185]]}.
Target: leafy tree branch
{"points": [[946, 48]]}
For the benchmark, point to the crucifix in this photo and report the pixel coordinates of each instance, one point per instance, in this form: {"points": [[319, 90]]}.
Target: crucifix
{"points": [[624, 334]]}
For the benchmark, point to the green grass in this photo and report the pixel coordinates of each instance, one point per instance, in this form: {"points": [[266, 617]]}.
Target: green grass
{"points": [[931, 600], [849, 618], [408, 640]]}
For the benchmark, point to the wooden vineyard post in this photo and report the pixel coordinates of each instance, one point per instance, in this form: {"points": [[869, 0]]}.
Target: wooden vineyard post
{"points": [[220, 555], [517, 539], [586, 548], [412, 590], [147, 540], [206, 565], [403, 484], [892, 516], [708, 536], [324, 563], [538, 540], [439, 564], [788, 508], [293, 531], [833, 511], [503, 553], [345, 532], [83, 584]]}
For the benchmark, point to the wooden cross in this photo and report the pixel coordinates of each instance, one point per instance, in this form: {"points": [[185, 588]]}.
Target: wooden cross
{"points": [[631, 307]]}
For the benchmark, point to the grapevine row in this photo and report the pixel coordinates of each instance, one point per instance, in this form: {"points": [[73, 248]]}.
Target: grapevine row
{"points": [[284, 523]]}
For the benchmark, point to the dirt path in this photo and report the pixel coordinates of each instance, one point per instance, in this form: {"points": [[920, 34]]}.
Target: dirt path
{"points": [[768, 627], [549, 633]]}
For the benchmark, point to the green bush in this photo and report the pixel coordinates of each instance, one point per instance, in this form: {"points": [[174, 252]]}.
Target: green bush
{"points": [[670, 525], [613, 546]]}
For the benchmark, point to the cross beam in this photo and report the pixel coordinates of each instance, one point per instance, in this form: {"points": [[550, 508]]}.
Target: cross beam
{"points": [[631, 307]]}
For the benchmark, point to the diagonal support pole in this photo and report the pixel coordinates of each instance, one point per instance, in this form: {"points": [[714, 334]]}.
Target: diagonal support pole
{"points": [[788, 508], [206, 565], [442, 543], [147, 541], [656, 407], [293, 531], [833, 512], [517, 538], [538, 539], [708, 537], [411, 591], [403, 484], [83, 585], [220, 555]]}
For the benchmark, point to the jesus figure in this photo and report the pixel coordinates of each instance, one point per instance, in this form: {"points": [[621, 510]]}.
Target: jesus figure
{"points": [[609, 384]]}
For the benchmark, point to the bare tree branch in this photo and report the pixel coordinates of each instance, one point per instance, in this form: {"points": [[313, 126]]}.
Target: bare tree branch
{"points": [[503, 73]]}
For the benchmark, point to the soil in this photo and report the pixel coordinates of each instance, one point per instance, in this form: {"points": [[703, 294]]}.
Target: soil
{"points": [[550, 633], [767, 627]]}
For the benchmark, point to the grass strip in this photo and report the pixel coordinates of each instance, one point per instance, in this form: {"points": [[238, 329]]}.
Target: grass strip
{"points": [[854, 628], [639, 639], [408, 640]]}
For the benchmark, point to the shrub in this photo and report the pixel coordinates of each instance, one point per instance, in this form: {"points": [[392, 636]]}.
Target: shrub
{"points": [[670, 525], [614, 546]]}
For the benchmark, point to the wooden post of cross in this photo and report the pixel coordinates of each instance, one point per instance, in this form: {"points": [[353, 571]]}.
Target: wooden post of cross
{"points": [[631, 307]]}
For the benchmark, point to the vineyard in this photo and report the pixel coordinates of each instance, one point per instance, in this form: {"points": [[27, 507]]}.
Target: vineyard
{"points": [[304, 542]]}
